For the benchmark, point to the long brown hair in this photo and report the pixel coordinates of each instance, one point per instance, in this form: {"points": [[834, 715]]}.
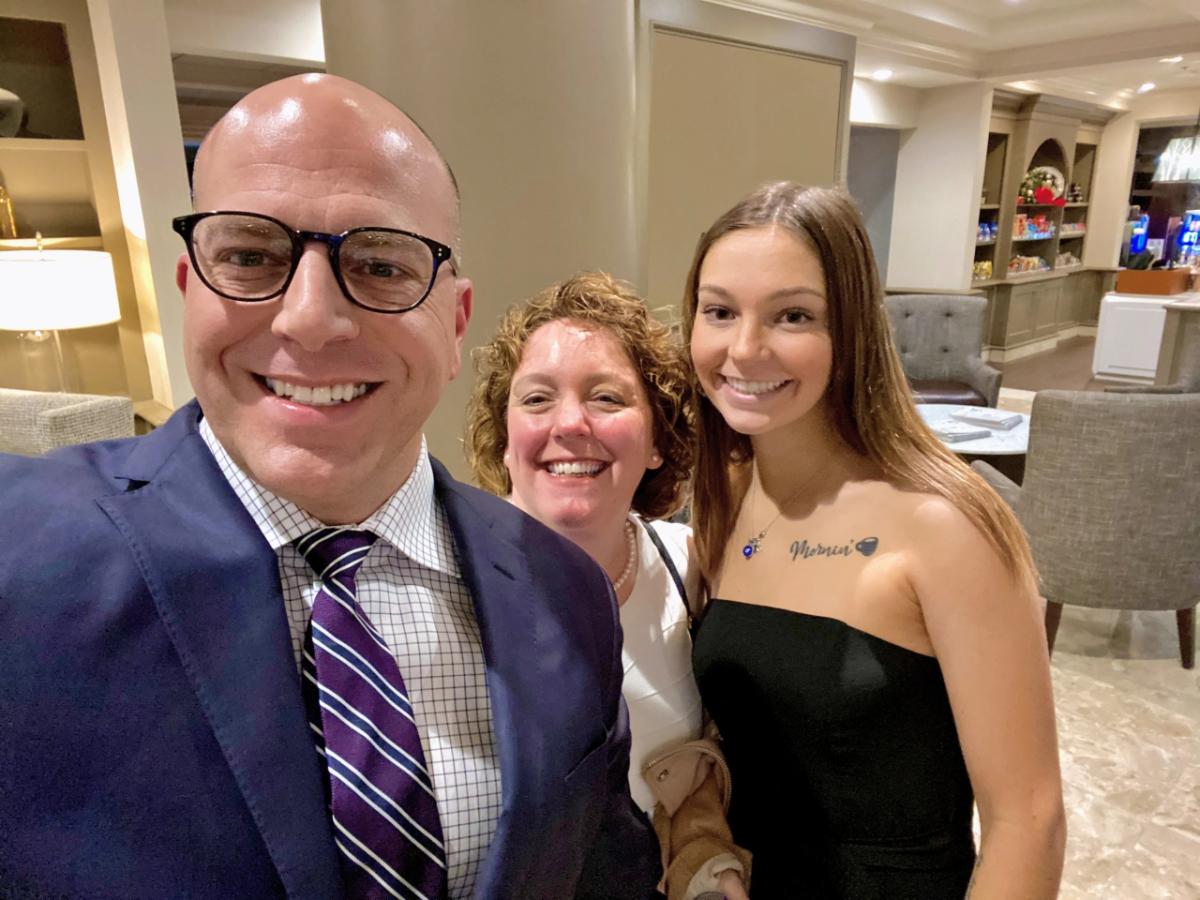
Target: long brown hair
{"points": [[868, 395]]}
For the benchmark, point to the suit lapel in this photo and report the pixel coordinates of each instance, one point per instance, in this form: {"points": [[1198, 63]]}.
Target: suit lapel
{"points": [[496, 574], [215, 583]]}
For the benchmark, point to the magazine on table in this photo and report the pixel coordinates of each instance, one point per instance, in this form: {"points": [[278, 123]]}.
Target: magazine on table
{"points": [[952, 432], [989, 418]]}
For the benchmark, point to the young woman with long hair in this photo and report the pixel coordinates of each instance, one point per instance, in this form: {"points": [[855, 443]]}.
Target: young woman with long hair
{"points": [[871, 648]]}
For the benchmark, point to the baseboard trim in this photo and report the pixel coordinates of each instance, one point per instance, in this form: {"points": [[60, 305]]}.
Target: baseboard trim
{"points": [[1008, 354], [1011, 354]]}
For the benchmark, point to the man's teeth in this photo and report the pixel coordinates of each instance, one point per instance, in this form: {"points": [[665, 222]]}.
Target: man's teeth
{"points": [[754, 387], [574, 468], [325, 395]]}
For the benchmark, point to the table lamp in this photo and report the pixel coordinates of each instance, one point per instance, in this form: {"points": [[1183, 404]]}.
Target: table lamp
{"points": [[43, 292]]}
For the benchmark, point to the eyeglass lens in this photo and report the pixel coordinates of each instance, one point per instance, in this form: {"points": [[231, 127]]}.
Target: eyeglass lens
{"points": [[251, 259]]}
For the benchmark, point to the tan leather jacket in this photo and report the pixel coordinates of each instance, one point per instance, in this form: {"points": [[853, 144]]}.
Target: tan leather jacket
{"points": [[692, 786]]}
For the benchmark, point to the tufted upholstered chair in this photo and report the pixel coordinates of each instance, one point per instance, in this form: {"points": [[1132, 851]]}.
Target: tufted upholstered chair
{"points": [[34, 422], [1110, 500], [939, 338]]}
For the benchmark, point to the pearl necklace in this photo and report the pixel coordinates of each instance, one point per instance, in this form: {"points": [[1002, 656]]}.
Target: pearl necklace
{"points": [[630, 558]]}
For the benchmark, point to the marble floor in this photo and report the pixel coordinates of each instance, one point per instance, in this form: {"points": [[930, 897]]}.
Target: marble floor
{"points": [[1129, 733], [1128, 720]]}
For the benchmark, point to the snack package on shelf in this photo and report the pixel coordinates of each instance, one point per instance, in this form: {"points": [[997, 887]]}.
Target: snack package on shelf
{"points": [[1066, 260], [1021, 265], [982, 270]]}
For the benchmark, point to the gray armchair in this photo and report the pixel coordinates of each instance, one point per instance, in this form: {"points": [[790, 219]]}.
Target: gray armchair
{"points": [[34, 422], [939, 338], [1111, 503]]}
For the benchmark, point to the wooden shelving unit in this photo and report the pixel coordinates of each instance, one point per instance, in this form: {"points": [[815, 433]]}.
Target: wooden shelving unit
{"points": [[1027, 308]]}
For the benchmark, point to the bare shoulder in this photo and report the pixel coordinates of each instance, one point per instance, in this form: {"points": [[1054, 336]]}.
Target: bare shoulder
{"points": [[940, 517], [919, 515]]}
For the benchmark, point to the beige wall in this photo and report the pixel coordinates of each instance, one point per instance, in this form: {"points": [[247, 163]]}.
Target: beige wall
{"points": [[939, 175], [1114, 167], [725, 118], [533, 105], [884, 105], [539, 107], [277, 30]]}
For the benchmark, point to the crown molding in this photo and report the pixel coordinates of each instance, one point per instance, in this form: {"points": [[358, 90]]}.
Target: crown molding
{"points": [[802, 13], [1074, 54]]}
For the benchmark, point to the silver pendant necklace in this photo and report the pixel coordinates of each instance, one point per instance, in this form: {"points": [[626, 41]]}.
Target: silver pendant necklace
{"points": [[754, 544]]}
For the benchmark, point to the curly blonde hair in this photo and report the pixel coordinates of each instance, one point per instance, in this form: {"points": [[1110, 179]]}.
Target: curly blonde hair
{"points": [[601, 301]]}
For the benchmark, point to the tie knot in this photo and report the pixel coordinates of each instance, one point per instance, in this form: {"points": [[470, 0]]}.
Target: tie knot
{"points": [[334, 552]]}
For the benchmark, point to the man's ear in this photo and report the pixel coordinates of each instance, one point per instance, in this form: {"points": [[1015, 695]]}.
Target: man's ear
{"points": [[182, 270], [464, 296]]}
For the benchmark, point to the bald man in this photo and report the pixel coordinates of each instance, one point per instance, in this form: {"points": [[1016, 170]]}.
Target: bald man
{"points": [[272, 648]]}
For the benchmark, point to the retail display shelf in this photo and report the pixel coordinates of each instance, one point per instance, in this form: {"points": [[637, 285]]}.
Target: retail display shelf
{"points": [[1076, 205], [1043, 237], [1046, 275], [985, 243], [1072, 235], [989, 205]]}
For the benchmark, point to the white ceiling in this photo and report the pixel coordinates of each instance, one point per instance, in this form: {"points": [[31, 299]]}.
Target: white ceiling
{"points": [[1089, 50]]}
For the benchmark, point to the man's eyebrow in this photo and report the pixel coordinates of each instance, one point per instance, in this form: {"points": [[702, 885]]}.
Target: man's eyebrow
{"points": [[780, 294]]}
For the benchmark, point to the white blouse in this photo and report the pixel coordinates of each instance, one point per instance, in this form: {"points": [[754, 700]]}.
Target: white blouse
{"points": [[659, 689]]}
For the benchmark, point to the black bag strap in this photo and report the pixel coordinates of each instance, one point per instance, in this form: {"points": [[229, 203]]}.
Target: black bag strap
{"points": [[671, 570]]}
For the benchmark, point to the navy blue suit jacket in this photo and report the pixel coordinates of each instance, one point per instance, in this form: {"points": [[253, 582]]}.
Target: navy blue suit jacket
{"points": [[152, 732]]}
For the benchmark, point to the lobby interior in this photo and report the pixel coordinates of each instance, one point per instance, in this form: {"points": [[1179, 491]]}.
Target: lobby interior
{"points": [[603, 135]]}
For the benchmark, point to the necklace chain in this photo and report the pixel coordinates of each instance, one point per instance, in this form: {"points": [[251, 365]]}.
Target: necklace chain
{"points": [[754, 544], [630, 556]]}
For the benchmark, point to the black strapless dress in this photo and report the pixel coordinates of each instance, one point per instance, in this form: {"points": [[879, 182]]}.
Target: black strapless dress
{"points": [[848, 778]]}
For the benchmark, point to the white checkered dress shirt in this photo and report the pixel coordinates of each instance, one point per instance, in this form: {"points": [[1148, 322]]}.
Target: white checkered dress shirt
{"points": [[411, 589]]}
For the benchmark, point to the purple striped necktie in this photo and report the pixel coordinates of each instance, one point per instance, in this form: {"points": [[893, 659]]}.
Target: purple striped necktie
{"points": [[385, 818]]}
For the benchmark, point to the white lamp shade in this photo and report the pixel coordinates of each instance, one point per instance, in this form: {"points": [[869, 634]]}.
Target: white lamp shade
{"points": [[51, 290]]}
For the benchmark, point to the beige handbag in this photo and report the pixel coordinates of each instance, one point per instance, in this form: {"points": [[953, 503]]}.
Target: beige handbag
{"points": [[692, 786]]}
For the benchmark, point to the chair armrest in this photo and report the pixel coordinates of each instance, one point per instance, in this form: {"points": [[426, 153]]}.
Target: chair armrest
{"points": [[93, 419], [1146, 389], [33, 422], [984, 379], [1009, 490]]}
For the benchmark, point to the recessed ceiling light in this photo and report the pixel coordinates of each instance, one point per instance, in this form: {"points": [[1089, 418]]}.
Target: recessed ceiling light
{"points": [[1091, 93], [1147, 86], [882, 74], [1171, 59]]}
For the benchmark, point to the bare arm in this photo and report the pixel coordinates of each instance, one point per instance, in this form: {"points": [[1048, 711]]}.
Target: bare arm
{"points": [[987, 634]]}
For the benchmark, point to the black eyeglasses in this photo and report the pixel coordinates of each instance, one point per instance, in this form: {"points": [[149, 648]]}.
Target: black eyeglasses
{"points": [[251, 257]]}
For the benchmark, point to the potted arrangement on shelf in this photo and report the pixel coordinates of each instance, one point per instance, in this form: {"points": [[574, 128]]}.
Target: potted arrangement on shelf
{"points": [[1042, 185]]}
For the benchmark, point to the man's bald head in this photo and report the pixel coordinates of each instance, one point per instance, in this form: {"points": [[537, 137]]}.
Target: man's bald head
{"points": [[322, 115]]}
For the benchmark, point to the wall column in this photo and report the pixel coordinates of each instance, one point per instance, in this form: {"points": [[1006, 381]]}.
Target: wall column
{"points": [[138, 87], [532, 102], [939, 175]]}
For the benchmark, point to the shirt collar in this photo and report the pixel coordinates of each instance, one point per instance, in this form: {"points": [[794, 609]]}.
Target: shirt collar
{"points": [[411, 520]]}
